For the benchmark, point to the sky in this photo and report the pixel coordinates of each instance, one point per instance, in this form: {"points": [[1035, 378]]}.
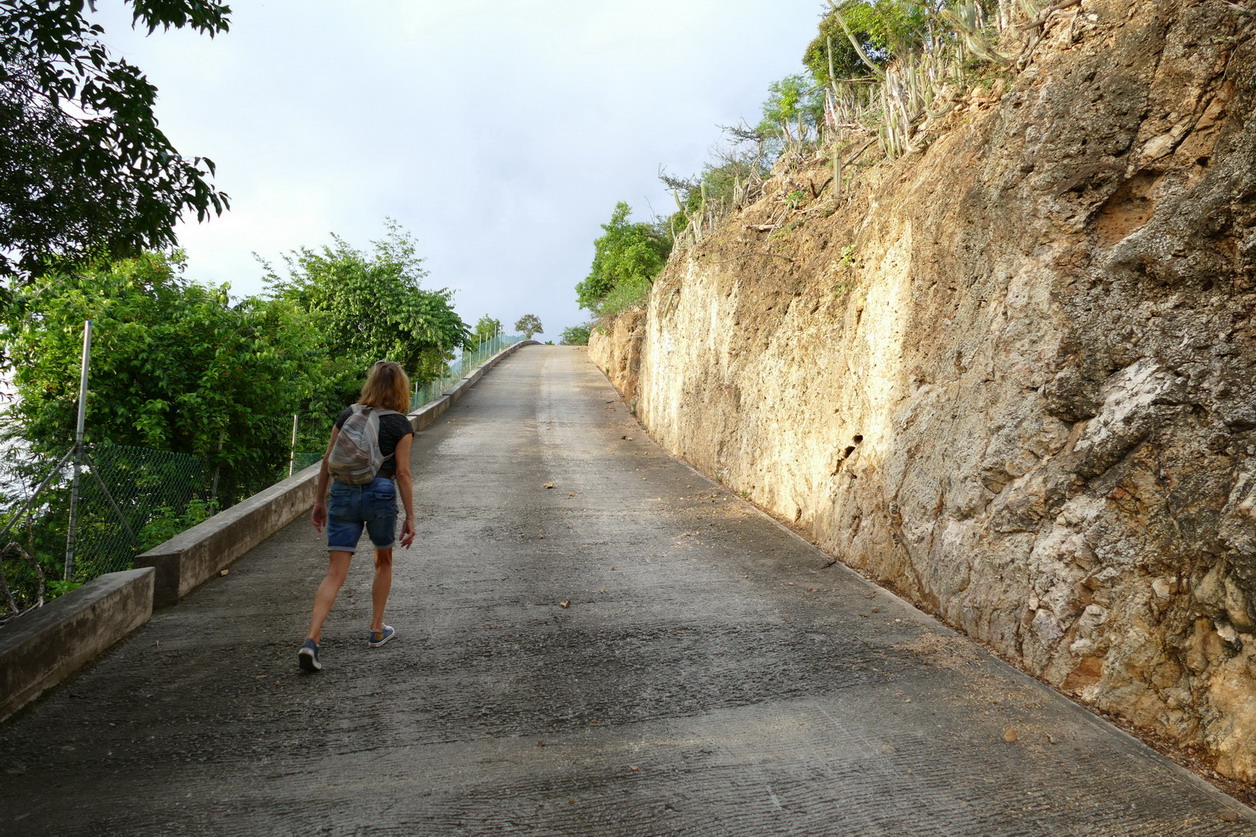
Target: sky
{"points": [[499, 133]]}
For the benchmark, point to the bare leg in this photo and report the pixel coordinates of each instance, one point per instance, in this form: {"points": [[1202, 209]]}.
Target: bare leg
{"points": [[381, 587], [325, 597]]}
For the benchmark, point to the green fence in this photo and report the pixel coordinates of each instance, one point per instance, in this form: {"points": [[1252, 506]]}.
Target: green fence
{"points": [[459, 368], [129, 499]]}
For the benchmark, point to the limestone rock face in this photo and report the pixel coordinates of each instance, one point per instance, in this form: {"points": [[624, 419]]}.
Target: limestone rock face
{"points": [[1013, 377]]}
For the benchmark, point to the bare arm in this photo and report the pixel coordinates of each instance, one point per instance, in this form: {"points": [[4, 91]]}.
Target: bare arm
{"points": [[405, 487], [319, 515]]}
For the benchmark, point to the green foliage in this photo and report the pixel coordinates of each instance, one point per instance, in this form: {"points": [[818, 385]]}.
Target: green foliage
{"points": [[168, 522], [175, 365], [794, 108], [884, 30], [577, 335], [366, 307], [626, 256], [191, 394], [486, 328], [57, 587], [529, 324], [83, 165], [741, 165], [913, 50], [632, 293]]}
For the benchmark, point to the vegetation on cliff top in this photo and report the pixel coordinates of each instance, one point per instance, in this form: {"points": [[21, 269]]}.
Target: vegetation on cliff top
{"points": [[626, 258], [577, 335]]}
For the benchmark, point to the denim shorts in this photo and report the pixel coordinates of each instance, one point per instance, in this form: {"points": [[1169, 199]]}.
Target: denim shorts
{"points": [[351, 507]]}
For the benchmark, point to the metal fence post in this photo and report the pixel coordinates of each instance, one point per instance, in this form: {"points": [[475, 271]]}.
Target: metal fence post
{"points": [[213, 491], [292, 460], [78, 451]]}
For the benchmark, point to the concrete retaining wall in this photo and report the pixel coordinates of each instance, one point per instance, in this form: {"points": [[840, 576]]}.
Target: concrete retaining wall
{"points": [[47, 645]]}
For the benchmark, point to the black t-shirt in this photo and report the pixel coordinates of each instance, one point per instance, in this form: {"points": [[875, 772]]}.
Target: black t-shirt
{"points": [[392, 429]]}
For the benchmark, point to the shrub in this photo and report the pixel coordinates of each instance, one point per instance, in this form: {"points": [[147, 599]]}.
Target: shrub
{"points": [[577, 335]]}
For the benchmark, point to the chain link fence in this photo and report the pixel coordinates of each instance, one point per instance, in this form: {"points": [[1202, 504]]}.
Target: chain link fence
{"points": [[460, 367], [130, 499]]}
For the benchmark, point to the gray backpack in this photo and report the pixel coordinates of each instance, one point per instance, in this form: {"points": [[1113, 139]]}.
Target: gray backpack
{"points": [[355, 458]]}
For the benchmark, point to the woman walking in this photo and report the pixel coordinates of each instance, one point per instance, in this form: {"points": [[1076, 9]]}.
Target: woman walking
{"points": [[371, 505]]}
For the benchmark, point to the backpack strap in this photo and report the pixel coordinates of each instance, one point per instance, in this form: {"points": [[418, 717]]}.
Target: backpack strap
{"points": [[375, 416]]}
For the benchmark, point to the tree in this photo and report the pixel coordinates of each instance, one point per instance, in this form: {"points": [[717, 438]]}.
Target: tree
{"points": [[486, 328], [627, 256], [175, 366], [83, 166], [529, 324], [189, 407], [577, 335], [370, 306], [883, 29]]}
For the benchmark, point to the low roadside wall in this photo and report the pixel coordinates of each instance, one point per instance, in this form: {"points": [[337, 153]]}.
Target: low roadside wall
{"points": [[47, 645]]}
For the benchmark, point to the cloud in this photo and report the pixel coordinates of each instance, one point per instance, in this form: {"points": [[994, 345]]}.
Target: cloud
{"points": [[500, 133]]}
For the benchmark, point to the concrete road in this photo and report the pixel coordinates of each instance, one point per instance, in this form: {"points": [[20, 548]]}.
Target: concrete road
{"points": [[593, 640]]}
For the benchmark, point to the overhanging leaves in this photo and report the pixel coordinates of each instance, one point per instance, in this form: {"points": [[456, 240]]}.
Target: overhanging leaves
{"points": [[84, 167]]}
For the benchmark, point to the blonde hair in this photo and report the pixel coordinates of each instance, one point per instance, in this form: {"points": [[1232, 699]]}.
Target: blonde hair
{"points": [[386, 386]]}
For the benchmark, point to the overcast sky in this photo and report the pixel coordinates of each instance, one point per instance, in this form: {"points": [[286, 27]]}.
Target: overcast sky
{"points": [[500, 133]]}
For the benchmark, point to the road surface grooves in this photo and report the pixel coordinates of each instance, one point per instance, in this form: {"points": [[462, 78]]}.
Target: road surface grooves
{"points": [[592, 640]]}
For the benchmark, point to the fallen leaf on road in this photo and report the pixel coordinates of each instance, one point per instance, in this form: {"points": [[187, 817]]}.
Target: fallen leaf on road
{"points": [[565, 603], [633, 767], [603, 590], [549, 485], [1230, 816], [1009, 735], [571, 494]]}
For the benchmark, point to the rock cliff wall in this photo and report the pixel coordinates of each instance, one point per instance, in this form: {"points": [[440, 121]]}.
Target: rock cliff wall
{"points": [[1013, 376]]}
